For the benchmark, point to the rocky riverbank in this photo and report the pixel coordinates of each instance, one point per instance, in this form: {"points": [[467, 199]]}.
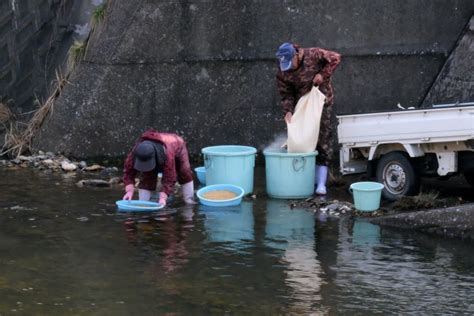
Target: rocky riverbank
{"points": [[96, 174]]}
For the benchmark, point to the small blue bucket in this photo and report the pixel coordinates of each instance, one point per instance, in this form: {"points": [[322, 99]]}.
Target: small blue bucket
{"points": [[219, 203], [366, 195], [201, 174]]}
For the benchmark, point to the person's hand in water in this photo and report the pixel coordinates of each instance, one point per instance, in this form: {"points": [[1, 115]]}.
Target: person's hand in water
{"points": [[288, 117], [128, 192], [163, 197]]}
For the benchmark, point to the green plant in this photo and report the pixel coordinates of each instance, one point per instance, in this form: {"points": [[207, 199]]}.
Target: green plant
{"points": [[76, 54], [98, 15]]}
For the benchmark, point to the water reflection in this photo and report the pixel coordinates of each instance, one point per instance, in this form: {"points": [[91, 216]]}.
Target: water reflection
{"points": [[162, 236], [364, 233], [292, 231], [259, 259], [229, 225]]}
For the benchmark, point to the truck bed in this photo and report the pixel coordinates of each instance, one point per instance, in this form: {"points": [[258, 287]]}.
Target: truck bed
{"points": [[431, 125]]}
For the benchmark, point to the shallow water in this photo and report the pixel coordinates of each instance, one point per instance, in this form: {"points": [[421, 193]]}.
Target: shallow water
{"points": [[65, 250]]}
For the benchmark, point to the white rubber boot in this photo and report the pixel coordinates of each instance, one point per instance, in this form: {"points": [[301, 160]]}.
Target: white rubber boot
{"points": [[144, 195], [322, 178], [316, 176], [188, 192]]}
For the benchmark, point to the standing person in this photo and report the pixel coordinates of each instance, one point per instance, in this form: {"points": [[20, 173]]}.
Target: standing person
{"points": [[299, 70], [158, 152]]}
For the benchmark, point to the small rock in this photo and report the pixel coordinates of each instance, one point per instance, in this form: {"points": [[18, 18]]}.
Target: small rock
{"points": [[83, 219], [115, 180], [16, 161], [83, 164], [94, 183], [40, 152], [49, 154], [25, 158], [67, 166], [48, 161], [345, 208], [107, 172], [94, 167]]}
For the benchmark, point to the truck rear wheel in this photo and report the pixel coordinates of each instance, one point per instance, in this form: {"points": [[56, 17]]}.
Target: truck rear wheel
{"points": [[396, 173], [469, 175]]}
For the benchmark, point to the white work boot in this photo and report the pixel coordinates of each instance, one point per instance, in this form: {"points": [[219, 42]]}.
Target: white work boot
{"points": [[316, 176], [322, 178], [144, 195], [188, 192]]}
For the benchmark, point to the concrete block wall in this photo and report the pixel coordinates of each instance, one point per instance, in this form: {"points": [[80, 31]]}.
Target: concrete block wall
{"points": [[30, 33], [205, 69]]}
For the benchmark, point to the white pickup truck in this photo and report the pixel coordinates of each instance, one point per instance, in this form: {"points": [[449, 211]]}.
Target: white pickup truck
{"points": [[400, 146]]}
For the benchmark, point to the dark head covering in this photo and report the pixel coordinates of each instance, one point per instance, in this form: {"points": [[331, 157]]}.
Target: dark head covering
{"points": [[149, 155]]}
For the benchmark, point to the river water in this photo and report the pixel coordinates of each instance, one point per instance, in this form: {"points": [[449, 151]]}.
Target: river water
{"points": [[65, 250]]}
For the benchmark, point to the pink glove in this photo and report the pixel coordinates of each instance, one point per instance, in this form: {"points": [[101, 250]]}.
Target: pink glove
{"points": [[318, 79], [163, 197], [129, 192]]}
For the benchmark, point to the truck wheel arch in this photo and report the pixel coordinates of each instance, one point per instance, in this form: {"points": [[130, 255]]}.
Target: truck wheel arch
{"points": [[412, 151]]}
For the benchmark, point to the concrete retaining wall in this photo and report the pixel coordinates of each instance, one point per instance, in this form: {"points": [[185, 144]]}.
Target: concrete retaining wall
{"points": [[205, 69]]}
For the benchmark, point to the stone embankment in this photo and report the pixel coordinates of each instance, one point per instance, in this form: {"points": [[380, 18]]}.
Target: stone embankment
{"points": [[455, 222]]}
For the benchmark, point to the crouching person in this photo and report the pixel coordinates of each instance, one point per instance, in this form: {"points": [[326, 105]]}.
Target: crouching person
{"points": [[157, 152]]}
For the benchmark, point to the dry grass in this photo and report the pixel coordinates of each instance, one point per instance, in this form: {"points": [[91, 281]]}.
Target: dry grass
{"points": [[18, 141], [421, 201], [5, 113]]}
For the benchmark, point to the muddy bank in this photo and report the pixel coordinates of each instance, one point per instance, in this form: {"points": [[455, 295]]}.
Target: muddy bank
{"points": [[453, 222]]}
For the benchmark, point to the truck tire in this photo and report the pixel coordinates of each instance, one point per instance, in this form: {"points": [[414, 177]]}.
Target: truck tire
{"points": [[469, 175], [396, 173]]}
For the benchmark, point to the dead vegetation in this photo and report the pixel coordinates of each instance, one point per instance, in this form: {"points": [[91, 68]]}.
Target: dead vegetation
{"points": [[5, 114], [17, 139], [19, 135], [424, 201]]}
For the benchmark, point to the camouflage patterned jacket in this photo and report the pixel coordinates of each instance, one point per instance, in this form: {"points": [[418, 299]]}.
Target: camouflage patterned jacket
{"points": [[293, 84]]}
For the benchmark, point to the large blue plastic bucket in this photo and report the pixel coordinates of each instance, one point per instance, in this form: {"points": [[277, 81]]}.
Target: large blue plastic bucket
{"points": [[366, 195], [289, 175], [230, 164]]}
